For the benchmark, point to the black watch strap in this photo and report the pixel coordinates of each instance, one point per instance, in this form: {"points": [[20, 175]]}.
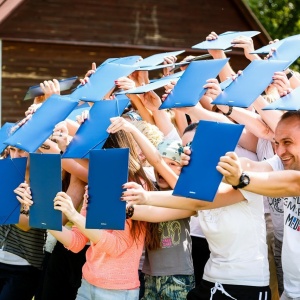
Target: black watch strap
{"points": [[244, 181]]}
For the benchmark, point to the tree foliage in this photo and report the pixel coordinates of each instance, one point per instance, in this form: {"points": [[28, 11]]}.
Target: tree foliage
{"points": [[280, 18]]}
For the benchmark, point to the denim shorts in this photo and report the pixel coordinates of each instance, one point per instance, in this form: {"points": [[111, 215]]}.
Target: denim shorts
{"points": [[88, 291], [173, 287]]}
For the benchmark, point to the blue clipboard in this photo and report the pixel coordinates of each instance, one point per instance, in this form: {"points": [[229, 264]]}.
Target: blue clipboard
{"points": [[5, 132], [200, 179], [108, 171], [288, 102], [35, 91], [244, 90], [189, 88], [12, 174], [102, 81], [35, 131], [92, 133], [156, 59], [224, 40], [153, 85], [45, 183]]}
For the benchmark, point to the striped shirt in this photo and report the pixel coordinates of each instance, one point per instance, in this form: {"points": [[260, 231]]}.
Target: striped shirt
{"points": [[28, 245]]}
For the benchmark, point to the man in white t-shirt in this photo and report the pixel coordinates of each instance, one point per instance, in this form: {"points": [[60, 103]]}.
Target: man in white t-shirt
{"points": [[277, 184]]}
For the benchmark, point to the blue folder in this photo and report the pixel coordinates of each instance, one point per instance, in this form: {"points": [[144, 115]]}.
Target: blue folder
{"points": [[35, 131], [156, 59], [224, 84], [45, 183], [35, 91], [127, 60], [289, 50], [4, 134], [108, 171], [224, 40], [288, 102], [266, 49], [92, 133], [200, 179], [153, 85], [189, 88], [102, 81], [244, 90], [12, 174]]}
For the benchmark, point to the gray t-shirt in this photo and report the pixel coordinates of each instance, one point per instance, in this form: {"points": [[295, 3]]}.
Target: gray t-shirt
{"points": [[174, 257]]}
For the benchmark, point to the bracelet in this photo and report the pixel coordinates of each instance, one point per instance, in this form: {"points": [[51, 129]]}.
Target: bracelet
{"points": [[229, 111], [129, 211], [290, 74], [24, 212]]}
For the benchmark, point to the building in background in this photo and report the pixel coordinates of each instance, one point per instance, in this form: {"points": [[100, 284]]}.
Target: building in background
{"points": [[46, 39]]}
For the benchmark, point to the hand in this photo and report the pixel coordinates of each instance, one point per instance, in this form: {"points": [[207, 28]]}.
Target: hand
{"points": [[135, 194], [24, 195], [168, 89], [169, 60], [282, 84], [81, 118], [188, 58], [119, 123], [88, 74], [125, 83], [151, 100], [32, 109], [229, 166], [139, 77], [245, 43], [50, 87], [213, 88], [214, 53], [185, 157], [272, 49], [60, 135], [63, 202], [21, 123]]}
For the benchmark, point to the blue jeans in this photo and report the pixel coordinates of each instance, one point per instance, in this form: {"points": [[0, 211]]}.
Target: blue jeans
{"points": [[173, 287], [90, 292]]}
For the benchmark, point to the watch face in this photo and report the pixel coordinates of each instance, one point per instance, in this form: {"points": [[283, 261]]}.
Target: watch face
{"points": [[245, 179]]}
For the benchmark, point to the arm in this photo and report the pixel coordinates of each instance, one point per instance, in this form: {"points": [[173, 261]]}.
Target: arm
{"points": [[159, 214], [227, 71], [151, 153], [181, 121], [64, 203], [23, 195], [270, 117], [225, 196], [75, 191], [272, 184]]}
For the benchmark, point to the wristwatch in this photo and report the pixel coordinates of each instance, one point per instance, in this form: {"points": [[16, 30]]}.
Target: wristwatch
{"points": [[244, 181]]}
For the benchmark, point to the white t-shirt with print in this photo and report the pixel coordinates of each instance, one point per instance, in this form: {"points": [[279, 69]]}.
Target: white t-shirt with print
{"points": [[291, 239], [236, 235]]}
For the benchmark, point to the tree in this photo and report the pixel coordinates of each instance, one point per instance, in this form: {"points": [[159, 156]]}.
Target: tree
{"points": [[280, 18]]}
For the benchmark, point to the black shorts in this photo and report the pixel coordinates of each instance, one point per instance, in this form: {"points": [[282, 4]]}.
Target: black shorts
{"points": [[239, 292]]}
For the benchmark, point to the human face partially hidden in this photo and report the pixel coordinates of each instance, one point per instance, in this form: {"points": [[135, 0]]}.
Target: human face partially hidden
{"points": [[287, 143], [17, 153], [161, 182]]}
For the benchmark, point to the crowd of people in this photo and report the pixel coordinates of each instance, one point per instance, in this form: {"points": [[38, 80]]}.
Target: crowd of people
{"points": [[243, 245]]}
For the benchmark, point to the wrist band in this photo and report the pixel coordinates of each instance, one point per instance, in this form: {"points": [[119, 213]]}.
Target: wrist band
{"points": [[129, 211], [290, 74], [229, 111]]}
